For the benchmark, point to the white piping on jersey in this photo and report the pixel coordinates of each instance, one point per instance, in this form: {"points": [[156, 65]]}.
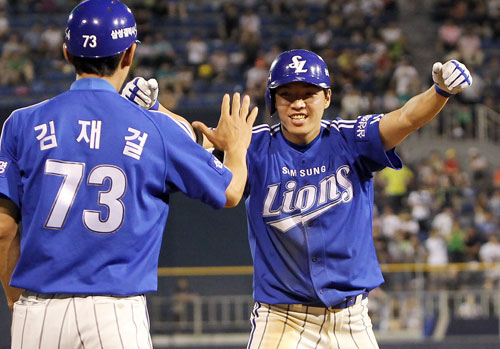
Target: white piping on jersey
{"points": [[23, 108], [261, 128], [337, 124], [182, 124], [376, 118]]}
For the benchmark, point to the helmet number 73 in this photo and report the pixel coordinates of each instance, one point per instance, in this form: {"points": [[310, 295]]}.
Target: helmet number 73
{"points": [[73, 173], [90, 40]]}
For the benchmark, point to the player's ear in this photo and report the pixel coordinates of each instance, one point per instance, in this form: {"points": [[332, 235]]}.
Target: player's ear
{"points": [[328, 97], [67, 57], [128, 56]]}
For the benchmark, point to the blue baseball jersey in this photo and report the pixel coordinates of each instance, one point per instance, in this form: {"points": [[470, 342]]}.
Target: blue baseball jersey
{"points": [[310, 211], [91, 173]]}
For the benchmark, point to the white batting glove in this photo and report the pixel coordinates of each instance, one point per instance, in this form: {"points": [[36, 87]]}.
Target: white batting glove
{"points": [[450, 78], [143, 93]]}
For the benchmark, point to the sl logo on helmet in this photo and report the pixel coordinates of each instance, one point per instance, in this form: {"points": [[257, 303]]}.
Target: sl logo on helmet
{"points": [[298, 65]]}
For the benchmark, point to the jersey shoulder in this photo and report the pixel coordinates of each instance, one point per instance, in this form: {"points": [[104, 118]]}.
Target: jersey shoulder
{"points": [[30, 109], [262, 136]]}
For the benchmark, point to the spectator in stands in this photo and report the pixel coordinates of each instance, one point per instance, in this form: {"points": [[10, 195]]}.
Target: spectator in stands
{"points": [[52, 39], [322, 37], [469, 309], [4, 24], [490, 253], [449, 33], [182, 300], [256, 82], [405, 80], [390, 222], [473, 242], [396, 185], [197, 51], [353, 103], [250, 22], [494, 203], [478, 168], [451, 165], [420, 201], [443, 222], [16, 69], [302, 35], [162, 49], [228, 26], [250, 46], [488, 225], [456, 243], [437, 253], [390, 100], [469, 47], [33, 38], [176, 9], [219, 60], [13, 45]]}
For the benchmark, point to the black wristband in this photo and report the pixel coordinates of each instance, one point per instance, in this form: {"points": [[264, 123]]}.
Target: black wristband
{"points": [[199, 136]]}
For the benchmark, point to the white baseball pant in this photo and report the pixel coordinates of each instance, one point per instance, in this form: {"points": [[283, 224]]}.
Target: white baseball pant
{"points": [[77, 321], [299, 326]]}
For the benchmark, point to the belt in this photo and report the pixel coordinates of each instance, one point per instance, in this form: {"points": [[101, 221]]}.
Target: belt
{"points": [[27, 294], [349, 301]]}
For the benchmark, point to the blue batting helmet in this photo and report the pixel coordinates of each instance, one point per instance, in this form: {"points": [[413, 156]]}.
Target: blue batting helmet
{"points": [[100, 28], [295, 65]]}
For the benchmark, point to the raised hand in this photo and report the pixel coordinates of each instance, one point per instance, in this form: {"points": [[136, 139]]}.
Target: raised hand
{"points": [[450, 78], [234, 130], [143, 93]]}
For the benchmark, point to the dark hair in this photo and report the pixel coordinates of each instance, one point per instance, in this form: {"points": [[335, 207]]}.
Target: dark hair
{"points": [[104, 66]]}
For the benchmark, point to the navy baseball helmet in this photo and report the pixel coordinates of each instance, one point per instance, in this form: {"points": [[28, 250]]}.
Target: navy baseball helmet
{"points": [[100, 28], [295, 65]]}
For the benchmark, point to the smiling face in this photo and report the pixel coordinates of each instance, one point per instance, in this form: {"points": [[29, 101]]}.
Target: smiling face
{"points": [[300, 106]]}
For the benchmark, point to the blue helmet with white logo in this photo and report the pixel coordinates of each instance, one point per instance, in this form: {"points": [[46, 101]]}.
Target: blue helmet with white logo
{"points": [[100, 28], [295, 65]]}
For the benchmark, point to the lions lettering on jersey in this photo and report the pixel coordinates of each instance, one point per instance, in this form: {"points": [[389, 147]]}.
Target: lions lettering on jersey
{"points": [[311, 200]]}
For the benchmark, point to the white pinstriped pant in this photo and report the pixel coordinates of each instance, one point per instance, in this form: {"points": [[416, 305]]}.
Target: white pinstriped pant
{"points": [[289, 326], [73, 321]]}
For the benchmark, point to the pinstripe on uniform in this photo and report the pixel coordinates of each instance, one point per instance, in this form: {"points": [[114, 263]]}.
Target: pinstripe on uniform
{"points": [[65, 321], [299, 326]]}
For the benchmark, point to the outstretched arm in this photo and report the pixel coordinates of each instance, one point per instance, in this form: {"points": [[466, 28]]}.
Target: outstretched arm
{"points": [[232, 135], [9, 248], [144, 93], [449, 78]]}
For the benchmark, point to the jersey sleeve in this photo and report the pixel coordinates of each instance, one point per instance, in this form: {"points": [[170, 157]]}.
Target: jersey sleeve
{"points": [[193, 170], [10, 179], [368, 146]]}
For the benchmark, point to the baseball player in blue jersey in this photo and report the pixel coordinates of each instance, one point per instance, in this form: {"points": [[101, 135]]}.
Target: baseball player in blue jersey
{"points": [[309, 203], [88, 173]]}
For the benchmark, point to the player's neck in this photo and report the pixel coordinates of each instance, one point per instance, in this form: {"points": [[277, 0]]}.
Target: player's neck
{"points": [[115, 80]]}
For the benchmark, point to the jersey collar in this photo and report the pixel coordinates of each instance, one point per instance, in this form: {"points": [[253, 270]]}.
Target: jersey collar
{"points": [[302, 147], [92, 84]]}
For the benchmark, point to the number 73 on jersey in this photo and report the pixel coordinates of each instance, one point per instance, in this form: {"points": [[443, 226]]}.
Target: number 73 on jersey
{"points": [[111, 177]]}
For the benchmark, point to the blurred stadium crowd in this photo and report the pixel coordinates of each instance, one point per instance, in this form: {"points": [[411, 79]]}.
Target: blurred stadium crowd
{"points": [[199, 49], [438, 211]]}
